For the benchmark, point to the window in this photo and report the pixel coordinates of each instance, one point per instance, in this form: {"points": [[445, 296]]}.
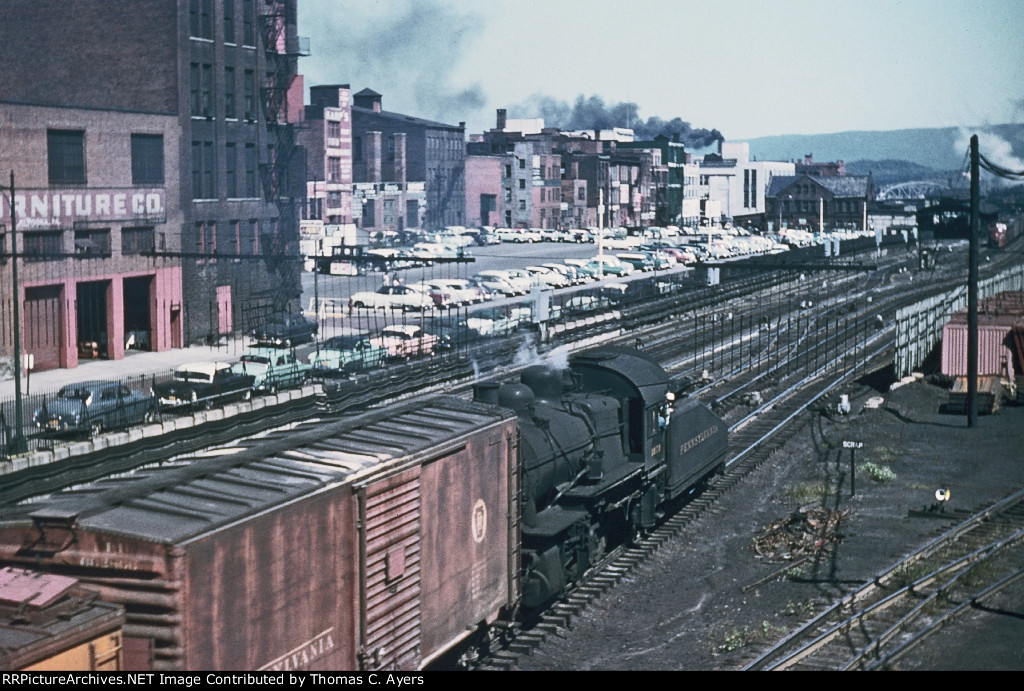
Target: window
{"points": [[248, 29], [206, 91], [147, 159], [508, 170], [39, 246], [581, 194], [522, 184], [204, 179], [92, 241], [136, 240], [229, 21], [333, 200], [235, 230], [66, 156], [333, 129], [231, 169], [522, 163], [229, 93], [333, 169], [250, 95], [193, 81], [250, 170], [522, 205]]}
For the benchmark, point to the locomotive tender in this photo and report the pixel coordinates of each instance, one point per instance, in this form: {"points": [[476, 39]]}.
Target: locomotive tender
{"points": [[381, 541]]}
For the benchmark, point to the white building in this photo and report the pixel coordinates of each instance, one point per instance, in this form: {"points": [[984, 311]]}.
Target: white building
{"points": [[732, 188]]}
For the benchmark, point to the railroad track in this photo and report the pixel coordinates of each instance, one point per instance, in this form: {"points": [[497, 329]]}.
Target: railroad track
{"points": [[874, 626], [752, 443]]}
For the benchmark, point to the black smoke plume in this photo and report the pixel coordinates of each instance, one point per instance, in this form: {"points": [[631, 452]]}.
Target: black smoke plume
{"points": [[591, 113], [407, 54]]}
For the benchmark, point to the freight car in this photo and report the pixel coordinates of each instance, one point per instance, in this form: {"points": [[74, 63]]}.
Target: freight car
{"points": [[606, 446], [372, 543], [383, 541]]}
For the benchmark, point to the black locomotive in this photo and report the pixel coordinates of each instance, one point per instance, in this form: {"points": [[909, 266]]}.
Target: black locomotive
{"points": [[605, 445]]}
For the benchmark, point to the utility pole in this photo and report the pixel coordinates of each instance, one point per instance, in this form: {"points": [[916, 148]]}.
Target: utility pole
{"points": [[972, 289], [17, 442]]}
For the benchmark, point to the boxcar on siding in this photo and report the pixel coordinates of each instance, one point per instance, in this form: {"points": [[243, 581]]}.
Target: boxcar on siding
{"points": [[370, 543]]}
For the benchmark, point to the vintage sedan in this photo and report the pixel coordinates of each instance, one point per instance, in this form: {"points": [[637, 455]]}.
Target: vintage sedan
{"points": [[348, 353], [93, 406], [273, 369], [392, 297], [204, 385], [405, 341], [285, 329]]}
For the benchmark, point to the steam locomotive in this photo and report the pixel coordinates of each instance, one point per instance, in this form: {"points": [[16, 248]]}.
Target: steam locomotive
{"points": [[605, 445], [381, 541]]}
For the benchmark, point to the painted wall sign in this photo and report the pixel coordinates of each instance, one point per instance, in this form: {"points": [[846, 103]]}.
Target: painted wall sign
{"points": [[61, 208]]}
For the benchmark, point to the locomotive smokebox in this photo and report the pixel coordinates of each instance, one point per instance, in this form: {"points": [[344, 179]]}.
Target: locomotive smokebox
{"points": [[547, 383]]}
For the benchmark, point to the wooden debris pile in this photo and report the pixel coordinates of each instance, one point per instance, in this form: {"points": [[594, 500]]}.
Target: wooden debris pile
{"points": [[808, 531]]}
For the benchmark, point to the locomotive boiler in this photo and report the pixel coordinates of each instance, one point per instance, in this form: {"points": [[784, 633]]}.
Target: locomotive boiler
{"points": [[605, 445]]}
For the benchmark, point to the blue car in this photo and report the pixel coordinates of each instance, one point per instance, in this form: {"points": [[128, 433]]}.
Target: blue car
{"points": [[94, 406]]}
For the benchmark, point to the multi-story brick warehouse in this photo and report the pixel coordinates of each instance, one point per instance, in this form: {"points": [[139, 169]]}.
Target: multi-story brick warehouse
{"points": [[435, 154], [190, 103]]}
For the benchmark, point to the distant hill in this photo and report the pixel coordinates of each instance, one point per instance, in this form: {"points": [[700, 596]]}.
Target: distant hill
{"points": [[938, 149]]}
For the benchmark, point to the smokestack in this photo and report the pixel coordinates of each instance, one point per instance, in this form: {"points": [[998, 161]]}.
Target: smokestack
{"points": [[502, 119]]}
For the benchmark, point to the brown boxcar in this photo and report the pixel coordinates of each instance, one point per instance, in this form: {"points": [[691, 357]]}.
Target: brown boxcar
{"points": [[51, 623], [369, 543]]}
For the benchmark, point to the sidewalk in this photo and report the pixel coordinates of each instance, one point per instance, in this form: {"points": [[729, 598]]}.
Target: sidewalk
{"points": [[135, 363]]}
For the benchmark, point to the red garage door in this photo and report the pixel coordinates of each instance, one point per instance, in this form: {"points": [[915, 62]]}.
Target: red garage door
{"points": [[42, 326]]}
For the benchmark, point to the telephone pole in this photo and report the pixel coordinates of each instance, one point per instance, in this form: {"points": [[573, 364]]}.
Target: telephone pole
{"points": [[17, 442], [972, 288]]}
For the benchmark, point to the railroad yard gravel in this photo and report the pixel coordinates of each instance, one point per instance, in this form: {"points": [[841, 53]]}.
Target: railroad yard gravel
{"points": [[709, 601]]}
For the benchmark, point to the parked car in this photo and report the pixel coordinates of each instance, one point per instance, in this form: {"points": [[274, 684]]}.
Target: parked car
{"points": [[547, 277], [348, 353], [204, 384], [609, 265], [498, 282], [285, 329], [273, 369], [392, 297], [405, 341], [93, 406], [640, 261], [496, 321]]}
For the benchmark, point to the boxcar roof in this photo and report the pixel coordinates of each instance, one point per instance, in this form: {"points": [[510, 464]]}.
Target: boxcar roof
{"points": [[195, 494]]}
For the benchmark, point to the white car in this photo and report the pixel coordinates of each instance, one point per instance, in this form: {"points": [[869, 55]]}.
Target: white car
{"points": [[496, 284], [394, 297], [548, 277], [518, 284]]}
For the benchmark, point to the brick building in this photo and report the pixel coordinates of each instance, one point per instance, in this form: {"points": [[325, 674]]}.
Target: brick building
{"points": [[435, 154], [819, 202], [196, 94]]}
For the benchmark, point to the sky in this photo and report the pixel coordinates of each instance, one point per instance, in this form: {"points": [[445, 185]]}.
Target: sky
{"points": [[747, 68]]}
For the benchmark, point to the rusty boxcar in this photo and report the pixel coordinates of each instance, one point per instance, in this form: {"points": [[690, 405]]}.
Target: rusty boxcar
{"points": [[368, 543]]}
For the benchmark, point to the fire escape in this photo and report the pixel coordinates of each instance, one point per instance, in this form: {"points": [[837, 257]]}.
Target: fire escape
{"points": [[280, 168]]}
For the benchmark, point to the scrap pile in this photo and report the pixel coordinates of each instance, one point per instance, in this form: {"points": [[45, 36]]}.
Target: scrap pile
{"points": [[806, 532]]}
